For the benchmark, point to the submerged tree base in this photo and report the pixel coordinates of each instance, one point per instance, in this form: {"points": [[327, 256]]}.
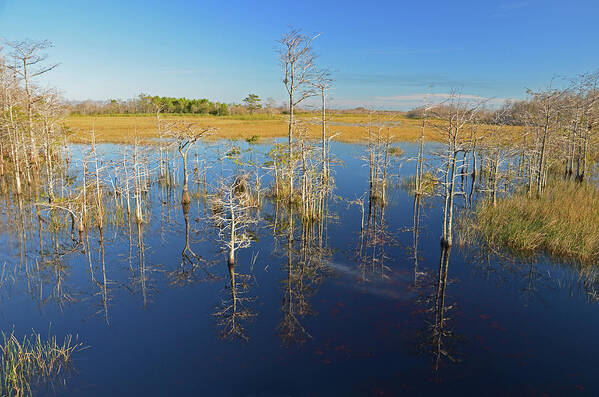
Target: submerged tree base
{"points": [[563, 221]]}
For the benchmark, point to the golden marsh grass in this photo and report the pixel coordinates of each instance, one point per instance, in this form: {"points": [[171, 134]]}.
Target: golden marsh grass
{"points": [[349, 127], [563, 221]]}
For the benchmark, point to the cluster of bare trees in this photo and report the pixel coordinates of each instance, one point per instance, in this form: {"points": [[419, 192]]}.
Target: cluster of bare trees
{"points": [[380, 157], [551, 134], [303, 80], [30, 122], [562, 124], [453, 130]]}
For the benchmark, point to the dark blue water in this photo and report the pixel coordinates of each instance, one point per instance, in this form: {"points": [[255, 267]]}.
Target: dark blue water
{"points": [[336, 322]]}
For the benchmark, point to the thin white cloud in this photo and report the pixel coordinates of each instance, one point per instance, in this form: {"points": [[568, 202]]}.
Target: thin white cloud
{"points": [[410, 101], [413, 80], [410, 51], [513, 5], [431, 97], [507, 9]]}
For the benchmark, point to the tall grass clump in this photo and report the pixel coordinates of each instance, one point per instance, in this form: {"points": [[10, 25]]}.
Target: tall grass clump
{"points": [[428, 184], [562, 221], [31, 361]]}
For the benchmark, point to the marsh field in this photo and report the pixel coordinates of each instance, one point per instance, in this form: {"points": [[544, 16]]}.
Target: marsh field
{"points": [[347, 127]]}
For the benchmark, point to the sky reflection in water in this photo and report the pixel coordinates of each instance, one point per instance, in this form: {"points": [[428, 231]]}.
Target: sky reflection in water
{"points": [[354, 315]]}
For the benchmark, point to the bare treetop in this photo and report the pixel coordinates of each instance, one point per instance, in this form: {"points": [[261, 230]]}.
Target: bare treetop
{"points": [[298, 63], [186, 133], [455, 113], [26, 53], [323, 79]]}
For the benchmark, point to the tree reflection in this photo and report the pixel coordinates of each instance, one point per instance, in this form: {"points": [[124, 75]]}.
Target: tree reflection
{"points": [[415, 239], [437, 339], [375, 236], [191, 263], [102, 284], [305, 271], [234, 311]]}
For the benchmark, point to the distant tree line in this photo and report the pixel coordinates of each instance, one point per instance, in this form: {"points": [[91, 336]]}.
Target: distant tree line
{"points": [[184, 105], [149, 104]]}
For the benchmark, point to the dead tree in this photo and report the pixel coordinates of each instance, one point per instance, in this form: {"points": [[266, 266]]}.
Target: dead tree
{"points": [[543, 117], [451, 122], [379, 157], [581, 108], [420, 158], [162, 165], [49, 112], [499, 149], [185, 136], [297, 61], [323, 82], [232, 216], [29, 63]]}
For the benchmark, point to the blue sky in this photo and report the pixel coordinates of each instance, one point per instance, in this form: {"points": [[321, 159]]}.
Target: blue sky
{"points": [[385, 54]]}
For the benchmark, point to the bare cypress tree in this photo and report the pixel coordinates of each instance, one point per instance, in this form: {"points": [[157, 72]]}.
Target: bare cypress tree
{"points": [[497, 145], [420, 156], [29, 63], [322, 82], [98, 185], [590, 102], [232, 216], [185, 136], [542, 118], [162, 167], [297, 61], [452, 119], [4, 103], [12, 99], [49, 110]]}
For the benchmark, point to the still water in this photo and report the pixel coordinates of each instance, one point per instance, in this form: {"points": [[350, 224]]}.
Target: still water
{"points": [[336, 311]]}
